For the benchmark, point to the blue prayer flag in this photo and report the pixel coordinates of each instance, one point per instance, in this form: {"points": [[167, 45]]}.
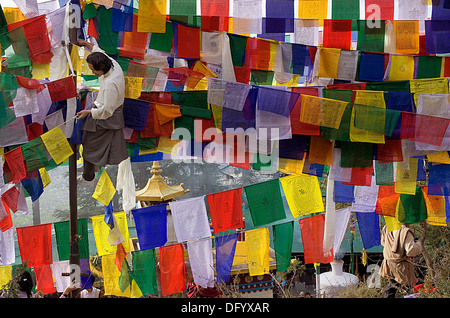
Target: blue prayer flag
{"points": [[151, 226], [369, 227], [225, 249]]}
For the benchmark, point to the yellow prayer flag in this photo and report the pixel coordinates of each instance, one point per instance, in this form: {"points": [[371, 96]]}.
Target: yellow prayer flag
{"points": [[240, 253], [290, 166], [257, 241], [45, 177], [102, 232], [104, 191], [402, 68], [303, 194], [168, 145], [152, 16], [369, 98], [57, 145], [111, 275], [133, 86], [428, 86], [439, 157], [313, 9], [5, 274], [13, 15], [273, 53], [217, 114], [40, 71], [406, 176], [322, 111], [328, 62], [392, 223], [203, 83], [435, 208]]}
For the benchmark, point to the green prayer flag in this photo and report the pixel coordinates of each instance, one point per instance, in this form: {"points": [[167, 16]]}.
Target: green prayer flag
{"points": [[162, 41], [198, 99], [184, 11], [391, 121], [370, 118], [34, 154], [62, 231], [345, 10], [196, 112], [89, 11], [343, 132], [370, 38], [265, 202], [282, 242], [107, 39], [384, 173], [356, 154], [144, 271], [396, 86], [429, 67], [412, 208], [261, 77], [15, 47], [147, 143], [126, 276], [238, 44]]}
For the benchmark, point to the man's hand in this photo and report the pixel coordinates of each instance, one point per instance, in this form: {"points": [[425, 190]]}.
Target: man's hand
{"points": [[83, 113], [81, 42]]}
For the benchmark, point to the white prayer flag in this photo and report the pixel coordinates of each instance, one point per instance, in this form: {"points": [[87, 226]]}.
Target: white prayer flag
{"points": [[202, 263]]}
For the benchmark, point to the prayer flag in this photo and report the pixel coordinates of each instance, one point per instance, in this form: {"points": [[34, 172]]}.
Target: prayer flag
{"points": [[135, 113], [106, 238], [423, 128], [57, 145], [302, 194], [309, 9], [5, 274], [163, 41], [35, 244], [215, 14], [151, 226], [365, 197], [104, 190], [10, 198], [343, 193], [379, 9], [320, 151], [277, 101], [411, 208], [44, 278], [201, 261], [172, 269], [406, 36], [370, 38], [62, 89], [257, 241], [406, 176], [297, 126], [438, 179], [345, 9], [387, 200], [134, 43], [282, 241], [265, 202], [437, 33], [402, 68], [312, 231], [133, 87], [435, 208], [371, 67], [337, 34], [225, 251], [369, 228], [226, 210], [152, 16], [34, 154], [111, 277], [322, 111], [190, 219], [327, 61], [62, 233], [14, 160], [144, 271], [187, 42], [7, 247]]}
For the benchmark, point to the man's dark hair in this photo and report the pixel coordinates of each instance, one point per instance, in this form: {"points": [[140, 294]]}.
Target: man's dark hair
{"points": [[99, 61]]}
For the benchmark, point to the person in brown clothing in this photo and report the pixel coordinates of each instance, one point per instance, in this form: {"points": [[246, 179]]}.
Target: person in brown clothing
{"points": [[399, 246]]}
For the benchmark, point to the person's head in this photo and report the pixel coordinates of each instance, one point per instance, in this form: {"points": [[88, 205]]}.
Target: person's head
{"points": [[26, 283], [99, 63]]}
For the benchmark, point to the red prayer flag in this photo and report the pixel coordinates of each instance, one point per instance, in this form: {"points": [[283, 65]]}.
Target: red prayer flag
{"points": [[28, 82], [226, 210], [337, 34], [16, 164], [257, 54], [312, 230], [188, 42], [447, 67], [6, 222], [379, 9], [172, 269], [10, 198], [34, 130], [298, 127], [423, 128], [360, 176], [62, 89], [214, 15], [387, 200], [390, 151], [44, 279], [134, 43], [92, 30], [242, 74], [121, 254], [35, 244]]}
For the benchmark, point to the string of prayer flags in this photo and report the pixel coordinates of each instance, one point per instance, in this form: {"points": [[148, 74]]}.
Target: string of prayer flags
{"points": [[225, 251], [144, 271], [151, 226], [226, 210], [369, 228], [35, 244], [303, 194], [201, 261], [62, 232], [152, 16], [277, 101], [282, 240], [265, 202], [106, 239], [190, 219], [16, 164], [312, 232], [322, 111], [172, 269], [104, 190], [257, 242], [186, 42]]}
